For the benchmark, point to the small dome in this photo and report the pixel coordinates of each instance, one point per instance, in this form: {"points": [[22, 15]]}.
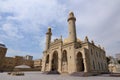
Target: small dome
{"points": [[66, 40], [71, 14], [22, 66], [49, 27], [78, 40]]}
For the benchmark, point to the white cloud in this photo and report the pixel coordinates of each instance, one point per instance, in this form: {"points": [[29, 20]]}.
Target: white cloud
{"points": [[100, 21], [11, 31], [35, 13], [97, 19]]}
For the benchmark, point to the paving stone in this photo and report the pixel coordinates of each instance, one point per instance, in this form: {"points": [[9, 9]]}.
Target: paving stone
{"points": [[40, 76]]}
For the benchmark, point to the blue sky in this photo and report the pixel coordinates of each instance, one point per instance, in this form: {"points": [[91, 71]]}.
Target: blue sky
{"points": [[23, 23]]}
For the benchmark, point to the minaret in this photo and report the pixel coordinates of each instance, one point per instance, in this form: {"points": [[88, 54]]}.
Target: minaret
{"points": [[72, 28], [48, 38]]}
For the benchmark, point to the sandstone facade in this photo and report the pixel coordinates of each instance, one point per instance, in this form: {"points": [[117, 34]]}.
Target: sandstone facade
{"points": [[71, 54], [3, 51]]}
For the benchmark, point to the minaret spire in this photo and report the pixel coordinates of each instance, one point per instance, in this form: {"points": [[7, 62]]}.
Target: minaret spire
{"points": [[72, 27], [48, 38]]}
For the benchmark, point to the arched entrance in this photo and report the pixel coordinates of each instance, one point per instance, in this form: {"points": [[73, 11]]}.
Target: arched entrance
{"points": [[55, 61], [47, 59], [79, 64], [47, 63], [64, 61]]}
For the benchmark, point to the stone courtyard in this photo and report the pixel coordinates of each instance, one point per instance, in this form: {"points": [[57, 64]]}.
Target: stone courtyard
{"points": [[40, 76]]}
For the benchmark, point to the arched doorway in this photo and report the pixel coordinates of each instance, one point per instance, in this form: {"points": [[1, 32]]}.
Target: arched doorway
{"points": [[79, 64], [47, 63], [55, 61], [64, 61], [47, 59]]}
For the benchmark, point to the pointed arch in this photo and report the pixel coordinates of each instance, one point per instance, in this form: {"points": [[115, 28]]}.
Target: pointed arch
{"points": [[79, 64], [47, 63], [64, 61], [47, 59], [54, 66]]}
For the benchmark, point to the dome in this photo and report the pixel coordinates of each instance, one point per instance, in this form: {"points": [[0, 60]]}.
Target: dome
{"points": [[22, 66]]}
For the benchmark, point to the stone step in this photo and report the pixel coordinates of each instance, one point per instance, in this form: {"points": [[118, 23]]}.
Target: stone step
{"points": [[51, 72], [84, 74], [78, 74]]}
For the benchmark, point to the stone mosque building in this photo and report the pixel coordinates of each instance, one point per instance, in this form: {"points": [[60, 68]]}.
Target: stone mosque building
{"points": [[73, 55]]}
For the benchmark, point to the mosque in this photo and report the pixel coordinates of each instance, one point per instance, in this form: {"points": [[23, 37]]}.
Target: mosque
{"points": [[73, 55]]}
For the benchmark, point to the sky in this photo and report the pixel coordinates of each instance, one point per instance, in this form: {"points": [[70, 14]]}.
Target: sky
{"points": [[23, 23]]}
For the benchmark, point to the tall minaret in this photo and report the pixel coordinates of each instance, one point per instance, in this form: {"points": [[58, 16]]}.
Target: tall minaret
{"points": [[72, 28], [48, 38]]}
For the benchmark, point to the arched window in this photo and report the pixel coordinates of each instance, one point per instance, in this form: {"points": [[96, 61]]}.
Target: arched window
{"points": [[64, 56], [99, 65], [91, 52], [93, 65]]}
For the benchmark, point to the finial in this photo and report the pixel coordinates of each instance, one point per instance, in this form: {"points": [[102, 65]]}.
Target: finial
{"points": [[49, 29], [71, 14], [99, 46], [92, 42], [86, 39]]}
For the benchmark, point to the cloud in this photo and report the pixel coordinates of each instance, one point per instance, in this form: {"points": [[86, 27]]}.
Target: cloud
{"points": [[25, 22], [11, 31], [35, 14], [100, 21]]}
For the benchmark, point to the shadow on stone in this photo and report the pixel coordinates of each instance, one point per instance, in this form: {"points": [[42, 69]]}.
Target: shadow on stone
{"points": [[83, 74], [115, 75], [51, 72]]}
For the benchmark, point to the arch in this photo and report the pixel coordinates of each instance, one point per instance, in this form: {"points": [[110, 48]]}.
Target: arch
{"points": [[64, 61], [54, 66], [79, 64], [93, 65], [47, 63], [47, 59], [99, 65], [64, 56]]}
